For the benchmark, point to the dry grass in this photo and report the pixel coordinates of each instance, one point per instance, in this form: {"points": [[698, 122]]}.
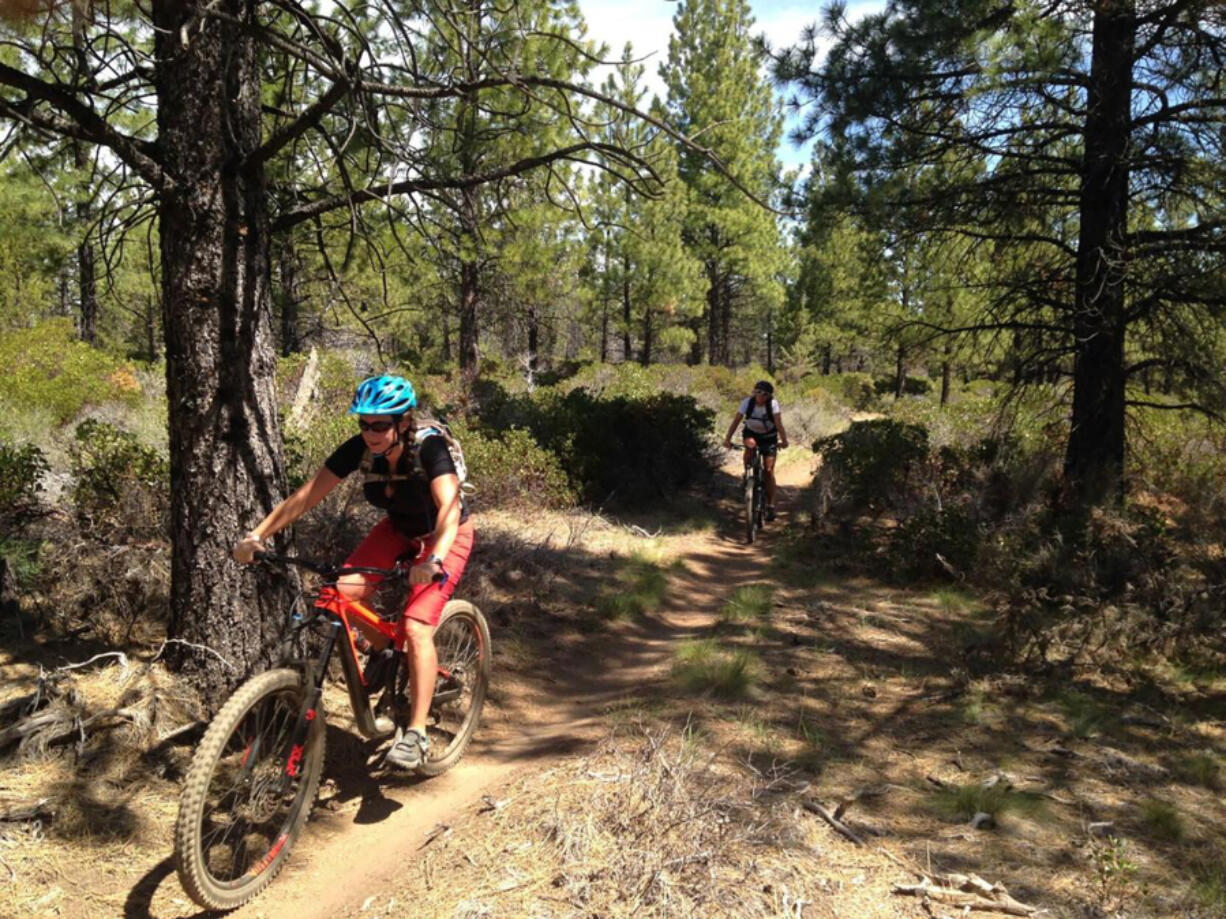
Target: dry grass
{"points": [[653, 824]]}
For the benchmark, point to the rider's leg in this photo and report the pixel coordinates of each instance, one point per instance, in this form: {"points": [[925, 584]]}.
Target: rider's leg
{"points": [[424, 609], [750, 446], [423, 669], [768, 466], [380, 549]]}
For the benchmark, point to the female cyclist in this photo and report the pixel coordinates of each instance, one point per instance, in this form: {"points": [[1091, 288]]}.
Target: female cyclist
{"points": [[414, 479]]}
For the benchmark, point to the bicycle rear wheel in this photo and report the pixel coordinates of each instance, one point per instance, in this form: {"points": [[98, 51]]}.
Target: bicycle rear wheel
{"points": [[241, 809], [463, 643], [750, 501]]}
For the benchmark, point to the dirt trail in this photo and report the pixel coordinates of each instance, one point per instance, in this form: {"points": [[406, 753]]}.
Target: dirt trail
{"points": [[373, 830]]}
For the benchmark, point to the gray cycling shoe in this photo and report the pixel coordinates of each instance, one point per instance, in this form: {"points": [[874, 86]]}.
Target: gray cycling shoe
{"points": [[409, 750]]}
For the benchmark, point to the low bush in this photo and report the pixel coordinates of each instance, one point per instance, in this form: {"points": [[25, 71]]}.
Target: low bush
{"points": [[120, 487], [912, 386], [510, 468], [22, 468], [633, 450], [49, 369], [873, 464]]}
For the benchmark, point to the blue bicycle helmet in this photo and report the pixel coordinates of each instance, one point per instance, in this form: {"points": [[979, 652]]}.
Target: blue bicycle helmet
{"points": [[383, 395]]}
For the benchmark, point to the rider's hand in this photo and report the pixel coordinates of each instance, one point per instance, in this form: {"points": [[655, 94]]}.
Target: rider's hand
{"points": [[727, 443], [783, 443], [246, 548], [424, 572]]}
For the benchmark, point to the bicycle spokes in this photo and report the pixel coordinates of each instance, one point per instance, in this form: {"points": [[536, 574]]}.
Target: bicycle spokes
{"points": [[251, 792]]}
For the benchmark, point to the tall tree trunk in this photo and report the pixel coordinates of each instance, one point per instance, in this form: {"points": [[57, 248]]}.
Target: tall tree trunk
{"points": [[534, 339], [470, 350], [826, 359], [604, 330], [695, 355], [900, 372], [225, 442], [712, 313], [626, 310], [445, 318], [725, 321], [1094, 461], [87, 286], [648, 333], [770, 341], [946, 365], [287, 260], [151, 327]]}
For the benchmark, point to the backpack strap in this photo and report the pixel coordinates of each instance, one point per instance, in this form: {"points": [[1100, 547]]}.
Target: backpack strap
{"points": [[366, 467]]}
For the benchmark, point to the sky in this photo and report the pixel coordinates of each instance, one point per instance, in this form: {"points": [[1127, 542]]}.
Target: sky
{"points": [[648, 23]]}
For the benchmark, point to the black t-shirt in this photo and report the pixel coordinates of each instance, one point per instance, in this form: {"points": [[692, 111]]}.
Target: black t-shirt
{"points": [[408, 502]]}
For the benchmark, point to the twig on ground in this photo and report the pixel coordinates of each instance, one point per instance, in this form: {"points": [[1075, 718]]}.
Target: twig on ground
{"points": [[814, 808], [123, 661], [967, 891], [41, 809], [190, 644]]}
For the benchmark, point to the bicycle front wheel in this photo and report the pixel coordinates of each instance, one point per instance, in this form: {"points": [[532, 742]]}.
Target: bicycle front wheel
{"points": [[247, 793], [750, 501], [462, 640]]}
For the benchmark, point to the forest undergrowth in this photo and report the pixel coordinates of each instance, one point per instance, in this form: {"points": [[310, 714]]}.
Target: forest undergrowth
{"points": [[936, 660]]}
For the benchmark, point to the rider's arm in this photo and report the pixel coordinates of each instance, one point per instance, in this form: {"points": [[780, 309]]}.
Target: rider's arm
{"points": [[445, 490], [287, 512], [736, 419], [783, 435]]}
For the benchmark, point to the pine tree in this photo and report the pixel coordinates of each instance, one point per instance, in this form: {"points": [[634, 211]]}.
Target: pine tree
{"points": [[1088, 154], [716, 92]]}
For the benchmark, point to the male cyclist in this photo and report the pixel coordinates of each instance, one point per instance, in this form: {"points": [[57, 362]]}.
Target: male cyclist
{"points": [[763, 431], [414, 479]]}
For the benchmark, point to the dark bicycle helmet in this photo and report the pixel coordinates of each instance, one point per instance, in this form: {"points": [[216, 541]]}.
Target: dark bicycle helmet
{"points": [[383, 395], [765, 386]]}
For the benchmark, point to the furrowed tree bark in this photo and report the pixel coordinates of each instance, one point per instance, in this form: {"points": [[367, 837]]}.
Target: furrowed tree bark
{"points": [[225, 443], [648, 333], [87, 285], [1094, 461], [626, 308]]}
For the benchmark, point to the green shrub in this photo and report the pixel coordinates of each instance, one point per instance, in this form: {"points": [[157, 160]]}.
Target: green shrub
{"points": [[950, 532], [911, 386], [853, 389], [632, 450], [873, 462], [21, 471], [512, 469], [48, 368], [119, 484]]}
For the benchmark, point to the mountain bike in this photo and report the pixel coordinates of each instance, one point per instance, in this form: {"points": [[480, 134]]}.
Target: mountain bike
{"points": [[254, 776], [753, 487]]}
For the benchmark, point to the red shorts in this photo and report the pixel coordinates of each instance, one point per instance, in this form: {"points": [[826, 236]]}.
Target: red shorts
{"points": [[383, 545]]}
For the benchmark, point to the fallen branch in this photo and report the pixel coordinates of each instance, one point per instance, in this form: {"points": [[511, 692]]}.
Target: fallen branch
{"points": [[191, 644], [968, 892], [838, 825], [122, 658], [28, 810]]}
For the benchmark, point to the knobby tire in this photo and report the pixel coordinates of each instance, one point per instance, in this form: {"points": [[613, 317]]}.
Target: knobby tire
{"points": [[218, 868], [463, 643]]}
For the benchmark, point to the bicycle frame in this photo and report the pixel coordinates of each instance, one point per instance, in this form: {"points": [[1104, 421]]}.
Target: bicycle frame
{"points": [[343, 615]]}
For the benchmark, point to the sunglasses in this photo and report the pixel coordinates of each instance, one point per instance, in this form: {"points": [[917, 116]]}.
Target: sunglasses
{"points": [[376, 427]]}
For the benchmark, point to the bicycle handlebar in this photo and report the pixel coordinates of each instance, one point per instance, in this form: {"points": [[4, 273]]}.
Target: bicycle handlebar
{"points": [[332, 572]]}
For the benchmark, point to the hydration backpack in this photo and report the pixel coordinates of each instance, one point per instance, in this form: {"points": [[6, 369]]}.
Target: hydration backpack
{"points": [[430, 428], [768, 419]]}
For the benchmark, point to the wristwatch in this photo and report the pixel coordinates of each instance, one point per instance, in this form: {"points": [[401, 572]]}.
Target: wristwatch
{"points": [[434, 558]]}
